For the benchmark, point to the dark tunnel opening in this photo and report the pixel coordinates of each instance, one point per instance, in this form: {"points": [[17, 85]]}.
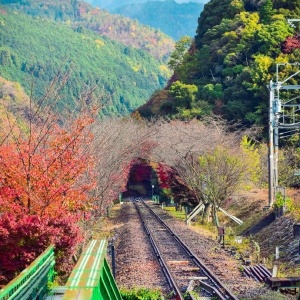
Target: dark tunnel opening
{"points": [[142, 181]]}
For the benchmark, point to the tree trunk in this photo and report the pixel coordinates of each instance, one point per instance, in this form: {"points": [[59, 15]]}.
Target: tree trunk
{"points": [[215, 216], [206, 212]]}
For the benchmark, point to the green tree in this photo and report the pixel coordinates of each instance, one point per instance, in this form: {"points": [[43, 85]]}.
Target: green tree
{"points": [[222, 173], [252, 158], [234, 54], [181, 49], [212, 92], [123, 77], [183, 94], [266, 11]]}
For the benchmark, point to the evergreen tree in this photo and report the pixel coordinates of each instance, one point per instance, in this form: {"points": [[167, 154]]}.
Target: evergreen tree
{"points": [[266, 11]]}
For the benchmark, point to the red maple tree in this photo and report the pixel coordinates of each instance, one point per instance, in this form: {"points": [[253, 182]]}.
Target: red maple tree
{"points": [[163, 172], [23, 238], [291, 43], [46, 179]]}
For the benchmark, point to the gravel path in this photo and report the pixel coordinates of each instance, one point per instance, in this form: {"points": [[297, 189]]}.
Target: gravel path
{"points": [[137, 267]]}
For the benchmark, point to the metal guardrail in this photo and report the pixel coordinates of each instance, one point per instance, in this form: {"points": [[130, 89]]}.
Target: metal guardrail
{"points": [[32, 283], [91, 278], [194, 213]]}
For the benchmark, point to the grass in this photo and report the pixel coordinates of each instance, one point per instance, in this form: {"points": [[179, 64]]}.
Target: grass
{"points": [[210, 230], [145, 294], [268, 295], [104, 227], [176, 214]]}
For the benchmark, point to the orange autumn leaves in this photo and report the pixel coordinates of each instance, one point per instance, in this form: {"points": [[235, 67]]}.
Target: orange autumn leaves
{"points": [[48, 171]]}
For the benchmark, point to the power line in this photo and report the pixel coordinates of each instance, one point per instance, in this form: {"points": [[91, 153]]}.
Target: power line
{"points": [[283, 115]]}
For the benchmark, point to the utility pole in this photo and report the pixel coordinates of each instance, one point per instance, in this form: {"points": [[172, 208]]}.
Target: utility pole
{"points": [[271, 146], [281, 117]]}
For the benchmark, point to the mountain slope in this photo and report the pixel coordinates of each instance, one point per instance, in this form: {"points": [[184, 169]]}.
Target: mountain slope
{"points": [[81, 16], [14, 106], [170, 17], [34, 50], [227, 70]]}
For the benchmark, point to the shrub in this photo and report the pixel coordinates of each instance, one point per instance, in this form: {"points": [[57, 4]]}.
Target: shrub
{"points": [[141, 294]]}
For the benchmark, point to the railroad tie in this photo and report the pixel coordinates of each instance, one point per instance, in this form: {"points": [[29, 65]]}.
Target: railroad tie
{"points": [[179, 262], [190, 269], [198, 278]]}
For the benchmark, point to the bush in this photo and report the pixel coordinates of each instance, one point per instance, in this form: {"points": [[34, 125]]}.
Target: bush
{"points": [[141, 294], [24, 238], [283, 201]]}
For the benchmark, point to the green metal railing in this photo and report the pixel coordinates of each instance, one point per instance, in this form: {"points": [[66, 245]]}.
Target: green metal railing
{"points": [[32, 283], [91, 278]]}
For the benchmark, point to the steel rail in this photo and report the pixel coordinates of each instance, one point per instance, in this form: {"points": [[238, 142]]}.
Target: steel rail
{"points": [[220, 288], [171, 282]]}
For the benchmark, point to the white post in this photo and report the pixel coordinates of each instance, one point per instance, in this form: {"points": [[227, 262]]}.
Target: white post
{"points": [[275, 266], [276, 252], [271, 146]]}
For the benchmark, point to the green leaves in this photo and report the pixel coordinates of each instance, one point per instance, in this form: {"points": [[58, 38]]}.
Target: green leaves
{"points": [[212, 92], [181, 48], [141, 294], [184, 99], [236, 49], [183, 92], [266, 11], [123, 77], [252, 159]]}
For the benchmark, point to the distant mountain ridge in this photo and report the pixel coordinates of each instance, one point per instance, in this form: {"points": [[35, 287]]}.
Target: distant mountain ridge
{"points": [[113, 4], [34, 49], [81, 16], [174, 19]]}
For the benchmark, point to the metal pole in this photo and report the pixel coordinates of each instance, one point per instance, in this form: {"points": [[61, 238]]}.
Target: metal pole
{"points": [[276, 114], [113, 260], [271, 147], [276, 146]]}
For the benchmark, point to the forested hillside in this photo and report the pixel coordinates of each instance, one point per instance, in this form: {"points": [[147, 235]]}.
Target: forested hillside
{"points": [[81, 16], [170, 17], [34, 50], [227, 68]]}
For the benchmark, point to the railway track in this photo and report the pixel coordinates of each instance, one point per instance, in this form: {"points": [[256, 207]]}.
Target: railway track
{"points": [[180, 266]]}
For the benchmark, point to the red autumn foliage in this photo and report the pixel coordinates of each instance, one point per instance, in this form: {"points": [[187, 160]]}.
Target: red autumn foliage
{"points": [[163, 172], [23, 238], [46, 179], [46, 176], [52, 176], [291, 43]]}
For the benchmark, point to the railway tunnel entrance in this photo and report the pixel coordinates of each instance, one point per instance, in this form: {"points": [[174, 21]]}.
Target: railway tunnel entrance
{"points": [[142, 181], [148, 178]]}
